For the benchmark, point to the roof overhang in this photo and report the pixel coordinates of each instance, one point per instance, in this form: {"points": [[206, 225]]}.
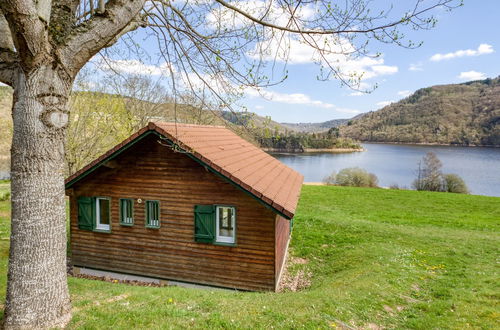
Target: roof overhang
{"points": [[153, 129]]}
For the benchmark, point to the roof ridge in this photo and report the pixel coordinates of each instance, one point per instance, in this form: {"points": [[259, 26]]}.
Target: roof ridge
{"points": [[169, 123], [250, 168]]}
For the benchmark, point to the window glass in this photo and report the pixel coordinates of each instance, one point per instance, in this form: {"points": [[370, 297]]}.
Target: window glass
{"points": [[225, 224], [103, 220]]}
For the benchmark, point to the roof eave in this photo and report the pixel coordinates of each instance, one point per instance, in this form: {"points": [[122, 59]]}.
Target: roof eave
{"points": [[152, 128]]}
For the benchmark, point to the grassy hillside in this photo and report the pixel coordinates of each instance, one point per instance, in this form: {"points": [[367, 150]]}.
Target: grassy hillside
{"points": [[378, 259], [5, 127], [462, 114]]}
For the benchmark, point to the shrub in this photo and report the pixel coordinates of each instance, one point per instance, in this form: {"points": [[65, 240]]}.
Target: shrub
{"points": [[429, 176], [354, 177], [454, 184], [4, 196], [330, 180]]}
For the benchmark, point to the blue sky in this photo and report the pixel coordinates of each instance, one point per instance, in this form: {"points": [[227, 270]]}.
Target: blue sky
{"points": [[464, 29], [464, 46]]}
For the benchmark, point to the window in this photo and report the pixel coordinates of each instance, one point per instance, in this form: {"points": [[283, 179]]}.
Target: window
{"points": [[103, 217], [215, 224], [225, 221], [126, 212], [94, 213], [152, 214]]}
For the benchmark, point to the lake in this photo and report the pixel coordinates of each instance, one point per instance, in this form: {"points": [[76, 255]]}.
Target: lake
{"points": [[397, 164]]}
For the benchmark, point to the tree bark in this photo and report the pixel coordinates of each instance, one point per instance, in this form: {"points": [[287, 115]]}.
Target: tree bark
{"points": [[37, 291]]}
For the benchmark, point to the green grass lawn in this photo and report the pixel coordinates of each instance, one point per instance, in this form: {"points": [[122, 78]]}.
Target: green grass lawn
{"points": [[378, 258]]}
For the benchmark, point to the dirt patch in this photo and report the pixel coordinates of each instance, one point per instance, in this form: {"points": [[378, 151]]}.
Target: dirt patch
{"points": [[111, 280], [294, 280], [298, 261], [5, 214], [372, 326], [388, 309]]}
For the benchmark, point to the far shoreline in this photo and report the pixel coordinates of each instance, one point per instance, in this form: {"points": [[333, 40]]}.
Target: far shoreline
{"points": [[431, 144], [311, 150]]}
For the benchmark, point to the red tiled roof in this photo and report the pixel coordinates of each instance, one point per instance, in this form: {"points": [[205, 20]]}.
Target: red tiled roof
{"points": [[238, 160]]}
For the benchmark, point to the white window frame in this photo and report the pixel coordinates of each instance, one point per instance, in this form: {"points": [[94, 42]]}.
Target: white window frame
{"points": [[98, 224], [225, 239]]}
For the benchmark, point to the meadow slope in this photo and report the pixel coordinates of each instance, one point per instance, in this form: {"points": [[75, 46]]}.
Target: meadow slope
{"points": [[378, 259]]}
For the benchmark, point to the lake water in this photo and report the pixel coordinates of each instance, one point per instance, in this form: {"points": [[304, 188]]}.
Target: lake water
{"points": [[397, 164]]}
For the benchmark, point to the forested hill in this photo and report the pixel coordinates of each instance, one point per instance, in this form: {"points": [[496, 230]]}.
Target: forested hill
{"points": [[460, 114], [316, 127]]}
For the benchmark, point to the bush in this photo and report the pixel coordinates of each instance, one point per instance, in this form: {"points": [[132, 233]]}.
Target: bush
{"points": [[430, 178], [4, 196], [354, 177], [330, 180], [429, 175], [454, 184]]}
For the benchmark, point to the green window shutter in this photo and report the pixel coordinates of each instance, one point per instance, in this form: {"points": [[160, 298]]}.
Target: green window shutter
{"points": [[204, 223], [86, 213]]}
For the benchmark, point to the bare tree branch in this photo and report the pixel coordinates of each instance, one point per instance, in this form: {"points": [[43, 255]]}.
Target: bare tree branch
{"points": [[5, 34], [139, 21], [29, 31], [89, 38], [8, 58], [339, 30], [9, 63]]}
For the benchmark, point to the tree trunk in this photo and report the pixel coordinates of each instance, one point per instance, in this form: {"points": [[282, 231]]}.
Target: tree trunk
{"points": [[37, 291]]}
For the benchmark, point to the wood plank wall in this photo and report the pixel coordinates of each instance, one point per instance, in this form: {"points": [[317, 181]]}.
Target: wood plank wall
{"points": [[282, 236], [151, 171]]}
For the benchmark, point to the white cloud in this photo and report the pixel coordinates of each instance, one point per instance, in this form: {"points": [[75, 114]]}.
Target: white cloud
{"points": [[185, 80], [133, 67], [481, 50], [471, 75], [404, 93], [384, 103], [416, 67], [294, 98], [259, 107], [384, 69], [335, 52], [222, 17], [357, 94]]}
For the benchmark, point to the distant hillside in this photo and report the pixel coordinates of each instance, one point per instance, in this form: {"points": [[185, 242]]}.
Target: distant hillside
{"points": [[316, 127], [253, 120], [99, 121], [458, 114]]}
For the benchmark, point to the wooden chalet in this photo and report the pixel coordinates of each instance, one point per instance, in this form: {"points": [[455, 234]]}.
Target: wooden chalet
{"points": [[188, 203]]}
